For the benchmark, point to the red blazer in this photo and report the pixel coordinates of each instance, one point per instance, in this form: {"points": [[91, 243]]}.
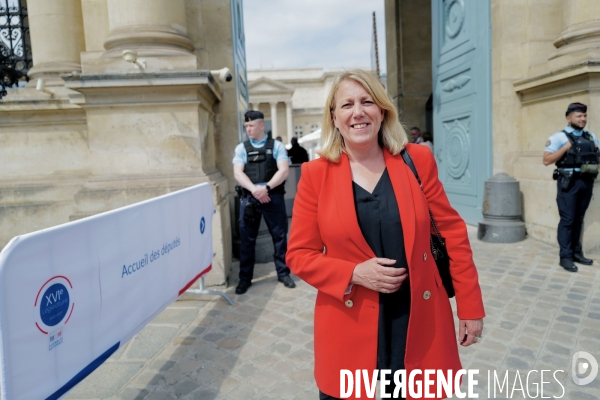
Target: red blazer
{"points": [[326, 244]]}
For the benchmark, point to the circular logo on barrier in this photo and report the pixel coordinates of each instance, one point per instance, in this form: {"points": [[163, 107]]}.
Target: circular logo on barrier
{"points": [[202, 225], [54, 304]]}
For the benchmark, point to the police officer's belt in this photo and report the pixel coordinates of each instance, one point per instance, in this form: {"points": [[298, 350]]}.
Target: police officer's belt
{"points": [[585, 169]]}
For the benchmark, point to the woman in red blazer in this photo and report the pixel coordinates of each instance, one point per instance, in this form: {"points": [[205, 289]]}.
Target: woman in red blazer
{"points": [[334, 241]]}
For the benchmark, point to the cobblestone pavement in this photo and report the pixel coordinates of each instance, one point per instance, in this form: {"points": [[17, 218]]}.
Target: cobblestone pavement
{"points": [[538, 315]]}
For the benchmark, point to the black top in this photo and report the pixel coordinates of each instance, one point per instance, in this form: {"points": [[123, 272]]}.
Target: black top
{"points": [[379, 221]]}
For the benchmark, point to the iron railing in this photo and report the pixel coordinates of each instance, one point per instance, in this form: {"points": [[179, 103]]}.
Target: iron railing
{"points": [[15, 45]]}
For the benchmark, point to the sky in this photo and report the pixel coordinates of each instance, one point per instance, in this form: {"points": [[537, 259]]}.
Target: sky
{"points": [[312, 33]]}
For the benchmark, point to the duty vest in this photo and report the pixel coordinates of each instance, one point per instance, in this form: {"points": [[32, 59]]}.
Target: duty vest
{"points": [[582, 151], [261, 165]]}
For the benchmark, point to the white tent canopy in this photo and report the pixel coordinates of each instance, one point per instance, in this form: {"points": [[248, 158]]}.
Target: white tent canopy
{"points": [[314, 136], [312, 143]]}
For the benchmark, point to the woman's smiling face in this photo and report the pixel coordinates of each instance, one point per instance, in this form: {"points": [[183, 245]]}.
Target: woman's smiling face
{"points": [[356, 115]]}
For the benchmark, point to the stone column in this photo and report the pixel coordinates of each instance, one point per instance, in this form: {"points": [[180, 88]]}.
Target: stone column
{"points": [[273, 119], [155, 25], [255, 106], [95, 22], [581, 27], [288, 116], [57, 39]]}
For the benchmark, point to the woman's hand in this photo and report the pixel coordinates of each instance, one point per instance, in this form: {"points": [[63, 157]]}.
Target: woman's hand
{"points": [[468, 330], [375, 275]]}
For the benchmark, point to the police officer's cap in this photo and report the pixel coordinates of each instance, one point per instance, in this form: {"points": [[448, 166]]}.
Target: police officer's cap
{"points": [[251, 115], [579, 107]]}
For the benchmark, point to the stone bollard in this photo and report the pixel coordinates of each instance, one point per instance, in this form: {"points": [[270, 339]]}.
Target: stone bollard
{"points": [[502, 211]]}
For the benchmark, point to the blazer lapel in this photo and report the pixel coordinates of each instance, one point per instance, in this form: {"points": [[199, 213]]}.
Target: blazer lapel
{"points": [[344, 196], [401, 175]]}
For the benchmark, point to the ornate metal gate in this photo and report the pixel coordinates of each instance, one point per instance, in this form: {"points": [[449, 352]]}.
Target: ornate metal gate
{"points": [[15, 47], [461, 35]]}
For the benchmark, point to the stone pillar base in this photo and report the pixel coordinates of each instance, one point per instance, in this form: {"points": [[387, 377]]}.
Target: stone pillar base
{"points": [[51, 72], [155, 37], [493, 231]]}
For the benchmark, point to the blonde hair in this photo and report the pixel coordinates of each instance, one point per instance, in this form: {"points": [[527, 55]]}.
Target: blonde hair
{"points": [[391, 134]]}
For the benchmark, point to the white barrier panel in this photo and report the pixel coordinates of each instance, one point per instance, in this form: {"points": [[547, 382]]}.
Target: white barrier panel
{"points": [[72, 294]]}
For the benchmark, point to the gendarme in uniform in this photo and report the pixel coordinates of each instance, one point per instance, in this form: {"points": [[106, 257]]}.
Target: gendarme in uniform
{"points": [[575, 153], [260, 166]]}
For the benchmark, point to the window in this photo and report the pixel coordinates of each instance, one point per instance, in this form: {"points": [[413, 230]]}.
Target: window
{"points": [[298, 132], [314, 127], [15, 47]]}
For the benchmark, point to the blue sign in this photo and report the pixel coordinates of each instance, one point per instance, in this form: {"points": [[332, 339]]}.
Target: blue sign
{"points": [[54, 304]]}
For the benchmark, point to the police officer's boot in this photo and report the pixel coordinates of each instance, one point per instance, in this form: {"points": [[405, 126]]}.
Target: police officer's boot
{"points": [[567, 264], [578, 257], [243, 286]]}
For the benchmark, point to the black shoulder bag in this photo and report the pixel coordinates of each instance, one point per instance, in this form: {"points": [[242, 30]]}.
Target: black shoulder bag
{"points": [[437, 242]]}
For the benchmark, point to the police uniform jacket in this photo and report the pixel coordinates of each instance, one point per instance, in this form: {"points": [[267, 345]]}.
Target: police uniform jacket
{"points": [[559, 139], [326, 244]]}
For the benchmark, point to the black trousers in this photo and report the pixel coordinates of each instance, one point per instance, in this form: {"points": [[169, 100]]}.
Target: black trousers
{"points": [[277, 222], [572, 205]]}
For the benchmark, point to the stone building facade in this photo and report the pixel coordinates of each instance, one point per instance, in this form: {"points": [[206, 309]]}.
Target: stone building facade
{"points": [[291, 99], [130, 111], [500, 76]]}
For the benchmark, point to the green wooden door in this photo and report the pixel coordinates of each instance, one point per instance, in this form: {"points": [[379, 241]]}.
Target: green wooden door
{"points": [[462, 123]]}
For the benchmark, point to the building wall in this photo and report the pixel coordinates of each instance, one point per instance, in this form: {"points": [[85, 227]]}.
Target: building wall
{"points": [[308, 95], [281, 123], [213, 38], [309, 88], [307, 122], [532, 84], [544, 56], [520, 48], [408, 46], [112, 134]]}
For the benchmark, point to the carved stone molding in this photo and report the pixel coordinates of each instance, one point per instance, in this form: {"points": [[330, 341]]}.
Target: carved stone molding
{"points": [[148, 37], [455, 17], [51, 71], [578, 37], [455, 83], [457, 148], [578, 78]]}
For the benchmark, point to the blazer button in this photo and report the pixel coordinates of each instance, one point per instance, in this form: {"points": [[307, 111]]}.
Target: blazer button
{"points": [[424, 256], [426, 295], [349, 303]]}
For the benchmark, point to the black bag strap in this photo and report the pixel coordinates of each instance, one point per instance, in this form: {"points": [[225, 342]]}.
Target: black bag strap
{"points": [[408, 160]]}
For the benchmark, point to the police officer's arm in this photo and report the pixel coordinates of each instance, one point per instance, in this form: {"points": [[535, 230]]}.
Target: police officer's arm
{"points": [[259, 192], [283, 170], [551, 158]]}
